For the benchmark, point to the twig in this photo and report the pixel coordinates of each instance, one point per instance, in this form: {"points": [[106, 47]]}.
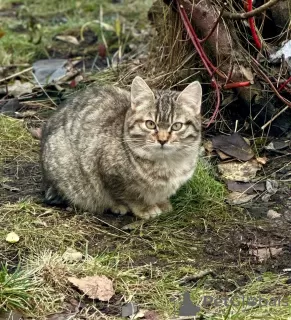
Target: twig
{"points": [[196, 277], [233, 85], [283, 85], [275, 117], [253, 26], [16, 74], [246, 15], [265, 77], [42, 88]]}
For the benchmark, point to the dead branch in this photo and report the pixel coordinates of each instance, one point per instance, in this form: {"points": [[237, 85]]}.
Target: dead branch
{"points": [[246, 15]]}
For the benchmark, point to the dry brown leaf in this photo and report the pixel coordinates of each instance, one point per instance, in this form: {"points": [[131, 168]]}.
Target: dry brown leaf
{"points": [[222, 155], [68, 39], [208, 146], [95, 287], [262, 160], [234, 146], [239, 171], [19, 88], [245, 187], [265, 253], [272, 214], [236, 198], [247, 72]]}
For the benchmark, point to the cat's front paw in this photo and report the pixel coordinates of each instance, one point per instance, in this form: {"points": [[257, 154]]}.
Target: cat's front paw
{"points": [[165, 206], [122, 210], [148, 212]]}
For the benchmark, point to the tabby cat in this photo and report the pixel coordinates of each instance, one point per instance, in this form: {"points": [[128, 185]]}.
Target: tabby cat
{"points": [[110, 149]]}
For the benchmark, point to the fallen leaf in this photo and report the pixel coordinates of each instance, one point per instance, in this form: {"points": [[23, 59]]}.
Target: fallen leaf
{"points": [[68, 39], [72, 255], [265, 252], [129, 309], [9, 107], [247, 72], [233, 145], [18, 88], [272, 186], [12, 237], [262, 160], [140, 314], [48, 71], [95, 287], [245, 187], [236, 198], [239, 171], [208, 146], [222, 155], [272, 214], [277, 145]]}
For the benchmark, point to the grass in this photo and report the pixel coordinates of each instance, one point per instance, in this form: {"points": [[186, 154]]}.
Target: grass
{"points": [[31, 35], [148, 263], [16, 143], [15, 290]]}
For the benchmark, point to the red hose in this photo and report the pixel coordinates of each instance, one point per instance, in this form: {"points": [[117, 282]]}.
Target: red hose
{"points": [[253, 27]]}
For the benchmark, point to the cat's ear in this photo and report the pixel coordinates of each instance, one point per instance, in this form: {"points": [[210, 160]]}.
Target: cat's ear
{"points": [[191, 97], [141, 94]]}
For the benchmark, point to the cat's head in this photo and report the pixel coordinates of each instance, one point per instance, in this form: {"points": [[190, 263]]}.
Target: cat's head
{"points": [[162, 123]]}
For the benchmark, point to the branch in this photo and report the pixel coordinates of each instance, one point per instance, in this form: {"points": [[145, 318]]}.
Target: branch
{"points": [[253, 27], [246, 15], [266, 78]]}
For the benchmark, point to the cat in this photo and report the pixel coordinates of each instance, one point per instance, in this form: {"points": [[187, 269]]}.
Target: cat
{"points": [[125, 151]]}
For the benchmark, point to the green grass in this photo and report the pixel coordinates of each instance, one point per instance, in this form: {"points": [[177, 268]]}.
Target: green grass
{"points": [[16, 143], [146, 264], [15, 290], [30, 36]]}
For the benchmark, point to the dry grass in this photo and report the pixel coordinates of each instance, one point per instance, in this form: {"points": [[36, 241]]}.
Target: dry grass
{"points": [[147, 263]]}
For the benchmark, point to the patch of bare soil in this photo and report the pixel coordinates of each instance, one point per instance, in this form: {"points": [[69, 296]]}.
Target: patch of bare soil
{"points": [[22, 181]]}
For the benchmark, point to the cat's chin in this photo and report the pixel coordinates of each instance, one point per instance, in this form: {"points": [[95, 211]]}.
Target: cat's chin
{"points": [[156, 152]]}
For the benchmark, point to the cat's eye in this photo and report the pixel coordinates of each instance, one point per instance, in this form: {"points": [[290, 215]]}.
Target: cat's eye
{"points": [[177, 126], [150, 124]]}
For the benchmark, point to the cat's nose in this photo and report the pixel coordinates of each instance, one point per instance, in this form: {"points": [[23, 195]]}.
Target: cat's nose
{"points": [[162, 142], [162, 137]]}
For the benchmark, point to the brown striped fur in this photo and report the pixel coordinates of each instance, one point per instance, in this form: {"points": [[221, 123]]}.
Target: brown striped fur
{"points": [[98, 152]]}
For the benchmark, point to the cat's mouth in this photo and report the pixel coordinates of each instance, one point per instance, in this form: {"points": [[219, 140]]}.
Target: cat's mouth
{"points": [[163, 147]]}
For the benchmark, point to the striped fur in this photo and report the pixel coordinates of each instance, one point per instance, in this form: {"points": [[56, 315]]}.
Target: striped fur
{"points": [[99, 150]]}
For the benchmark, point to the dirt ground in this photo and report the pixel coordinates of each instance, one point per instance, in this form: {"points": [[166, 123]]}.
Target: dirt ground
{"points": [[205, 246]]}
